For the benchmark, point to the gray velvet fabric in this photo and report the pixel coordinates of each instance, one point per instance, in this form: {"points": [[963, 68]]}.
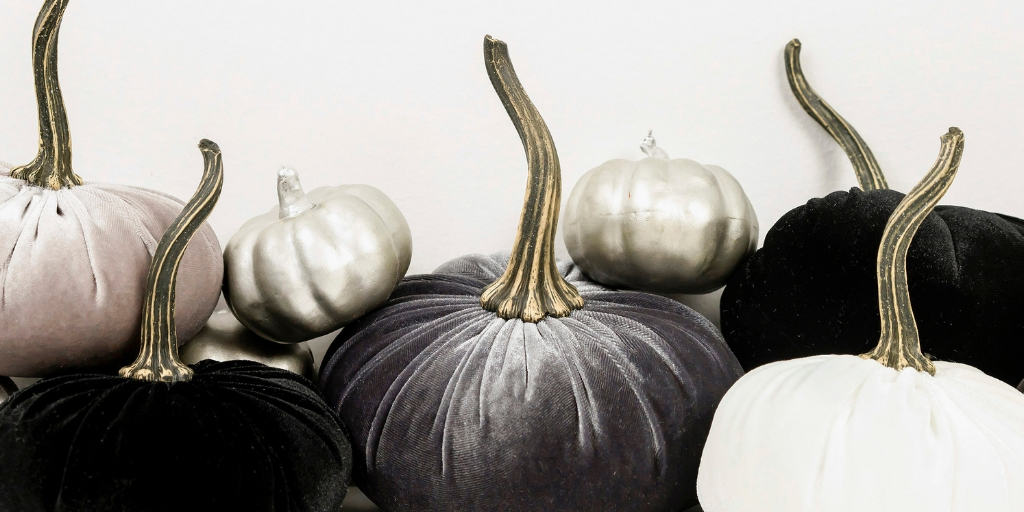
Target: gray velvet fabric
{"points": [[453, 409], [73, 266]]}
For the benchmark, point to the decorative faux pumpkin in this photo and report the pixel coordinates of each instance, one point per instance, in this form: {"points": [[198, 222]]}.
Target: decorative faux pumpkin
{"points": [[316, 262], [76, 253], [225, 339], [889, 431], [808, 290], [164, 436], [7, 388], [662, 225], [540, 391]]}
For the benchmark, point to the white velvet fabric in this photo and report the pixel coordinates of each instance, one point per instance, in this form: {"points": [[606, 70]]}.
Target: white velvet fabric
{"points": [[844, 434], [73, 265]]}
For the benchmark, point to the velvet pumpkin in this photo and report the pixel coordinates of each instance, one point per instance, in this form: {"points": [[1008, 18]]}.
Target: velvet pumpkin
{"points": [[163, 436], [95, 240], [809, 289], [889, 431], [513, 383]]}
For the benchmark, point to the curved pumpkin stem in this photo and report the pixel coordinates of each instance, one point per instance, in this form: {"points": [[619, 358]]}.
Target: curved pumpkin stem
{"points": [[869, 173], [158, 356], [531, 287], [899, 346], [52, 166]]}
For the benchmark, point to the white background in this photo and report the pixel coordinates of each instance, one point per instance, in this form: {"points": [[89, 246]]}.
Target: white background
{"points": [[396, 95]]}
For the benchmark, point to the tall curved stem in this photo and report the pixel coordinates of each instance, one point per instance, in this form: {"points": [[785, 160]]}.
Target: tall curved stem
{"points": [[531, 287], [158, 356], [52, 165], [869, 174], [899, 345]]}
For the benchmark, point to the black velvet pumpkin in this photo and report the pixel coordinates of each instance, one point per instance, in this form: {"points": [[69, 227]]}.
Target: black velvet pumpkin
{"points": [[516, 395], [811, 289], [163, 436], [238, 436]]}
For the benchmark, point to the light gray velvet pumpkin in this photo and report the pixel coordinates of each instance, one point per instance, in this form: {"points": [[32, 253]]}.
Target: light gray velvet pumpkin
{"points": [[76, 254], [512, 383]]}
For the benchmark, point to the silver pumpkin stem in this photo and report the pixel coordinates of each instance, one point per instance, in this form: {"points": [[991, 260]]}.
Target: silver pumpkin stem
{"points": [[290, 196], [650, 147], [899, 345], [158, 355]]}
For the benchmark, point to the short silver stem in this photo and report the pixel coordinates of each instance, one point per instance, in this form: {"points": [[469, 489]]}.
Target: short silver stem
{"points": [[290, 195]]}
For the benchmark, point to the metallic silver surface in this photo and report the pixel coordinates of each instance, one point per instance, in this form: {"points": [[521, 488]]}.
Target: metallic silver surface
{"points": [[225, 339], [7, 388], [316, 262], [657, 224]]}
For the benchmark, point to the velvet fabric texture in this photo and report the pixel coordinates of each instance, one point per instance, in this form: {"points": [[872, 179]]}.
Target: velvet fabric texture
{"points": [[452, 408], [812, 288], [238, 436], [73, 273]]}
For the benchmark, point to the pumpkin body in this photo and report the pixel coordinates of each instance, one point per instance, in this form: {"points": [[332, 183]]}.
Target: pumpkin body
{"points": [[846, 434], [811, 289], [295, 278], [659, 225], [238, 436], [7, 388], [74, 273], [454, 408], [224, 338]]}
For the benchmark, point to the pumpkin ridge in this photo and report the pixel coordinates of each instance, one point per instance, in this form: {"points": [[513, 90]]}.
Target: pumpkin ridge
{"points": [[578, 383], [396, 346]]}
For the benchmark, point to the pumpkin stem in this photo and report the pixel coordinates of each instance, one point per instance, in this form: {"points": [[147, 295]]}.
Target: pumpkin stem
{"points": [[899, 345], [52, 166], [869, 173], [531, 287], [290, 196], [650, 147], [158, 356]]}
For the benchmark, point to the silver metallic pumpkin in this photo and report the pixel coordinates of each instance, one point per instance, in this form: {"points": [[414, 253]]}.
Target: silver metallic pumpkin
{"points": [[224, 338], [659, 224], [317, 262], [7, 388]]}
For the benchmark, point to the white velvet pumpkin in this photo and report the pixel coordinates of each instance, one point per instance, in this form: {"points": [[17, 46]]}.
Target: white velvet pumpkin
{"points": [[838, 433], [888, 431]]}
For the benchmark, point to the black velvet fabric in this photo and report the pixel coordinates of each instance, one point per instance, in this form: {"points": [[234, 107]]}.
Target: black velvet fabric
{"points": [[812, 288], [239, 436], [452, 408]]}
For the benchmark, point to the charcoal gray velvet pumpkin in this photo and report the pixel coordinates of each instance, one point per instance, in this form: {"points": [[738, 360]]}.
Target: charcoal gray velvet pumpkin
{"points": [[162, 436], [513, 383], [75, 254]]}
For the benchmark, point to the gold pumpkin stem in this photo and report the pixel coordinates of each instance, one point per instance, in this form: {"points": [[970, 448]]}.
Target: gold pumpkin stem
{"points": [[52, 166], [531, 287], [899, 346], [869, 173], [158, 356]]}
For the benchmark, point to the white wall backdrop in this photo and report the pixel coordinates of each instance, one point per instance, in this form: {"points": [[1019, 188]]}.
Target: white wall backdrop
{"points": [[396, 95]]}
